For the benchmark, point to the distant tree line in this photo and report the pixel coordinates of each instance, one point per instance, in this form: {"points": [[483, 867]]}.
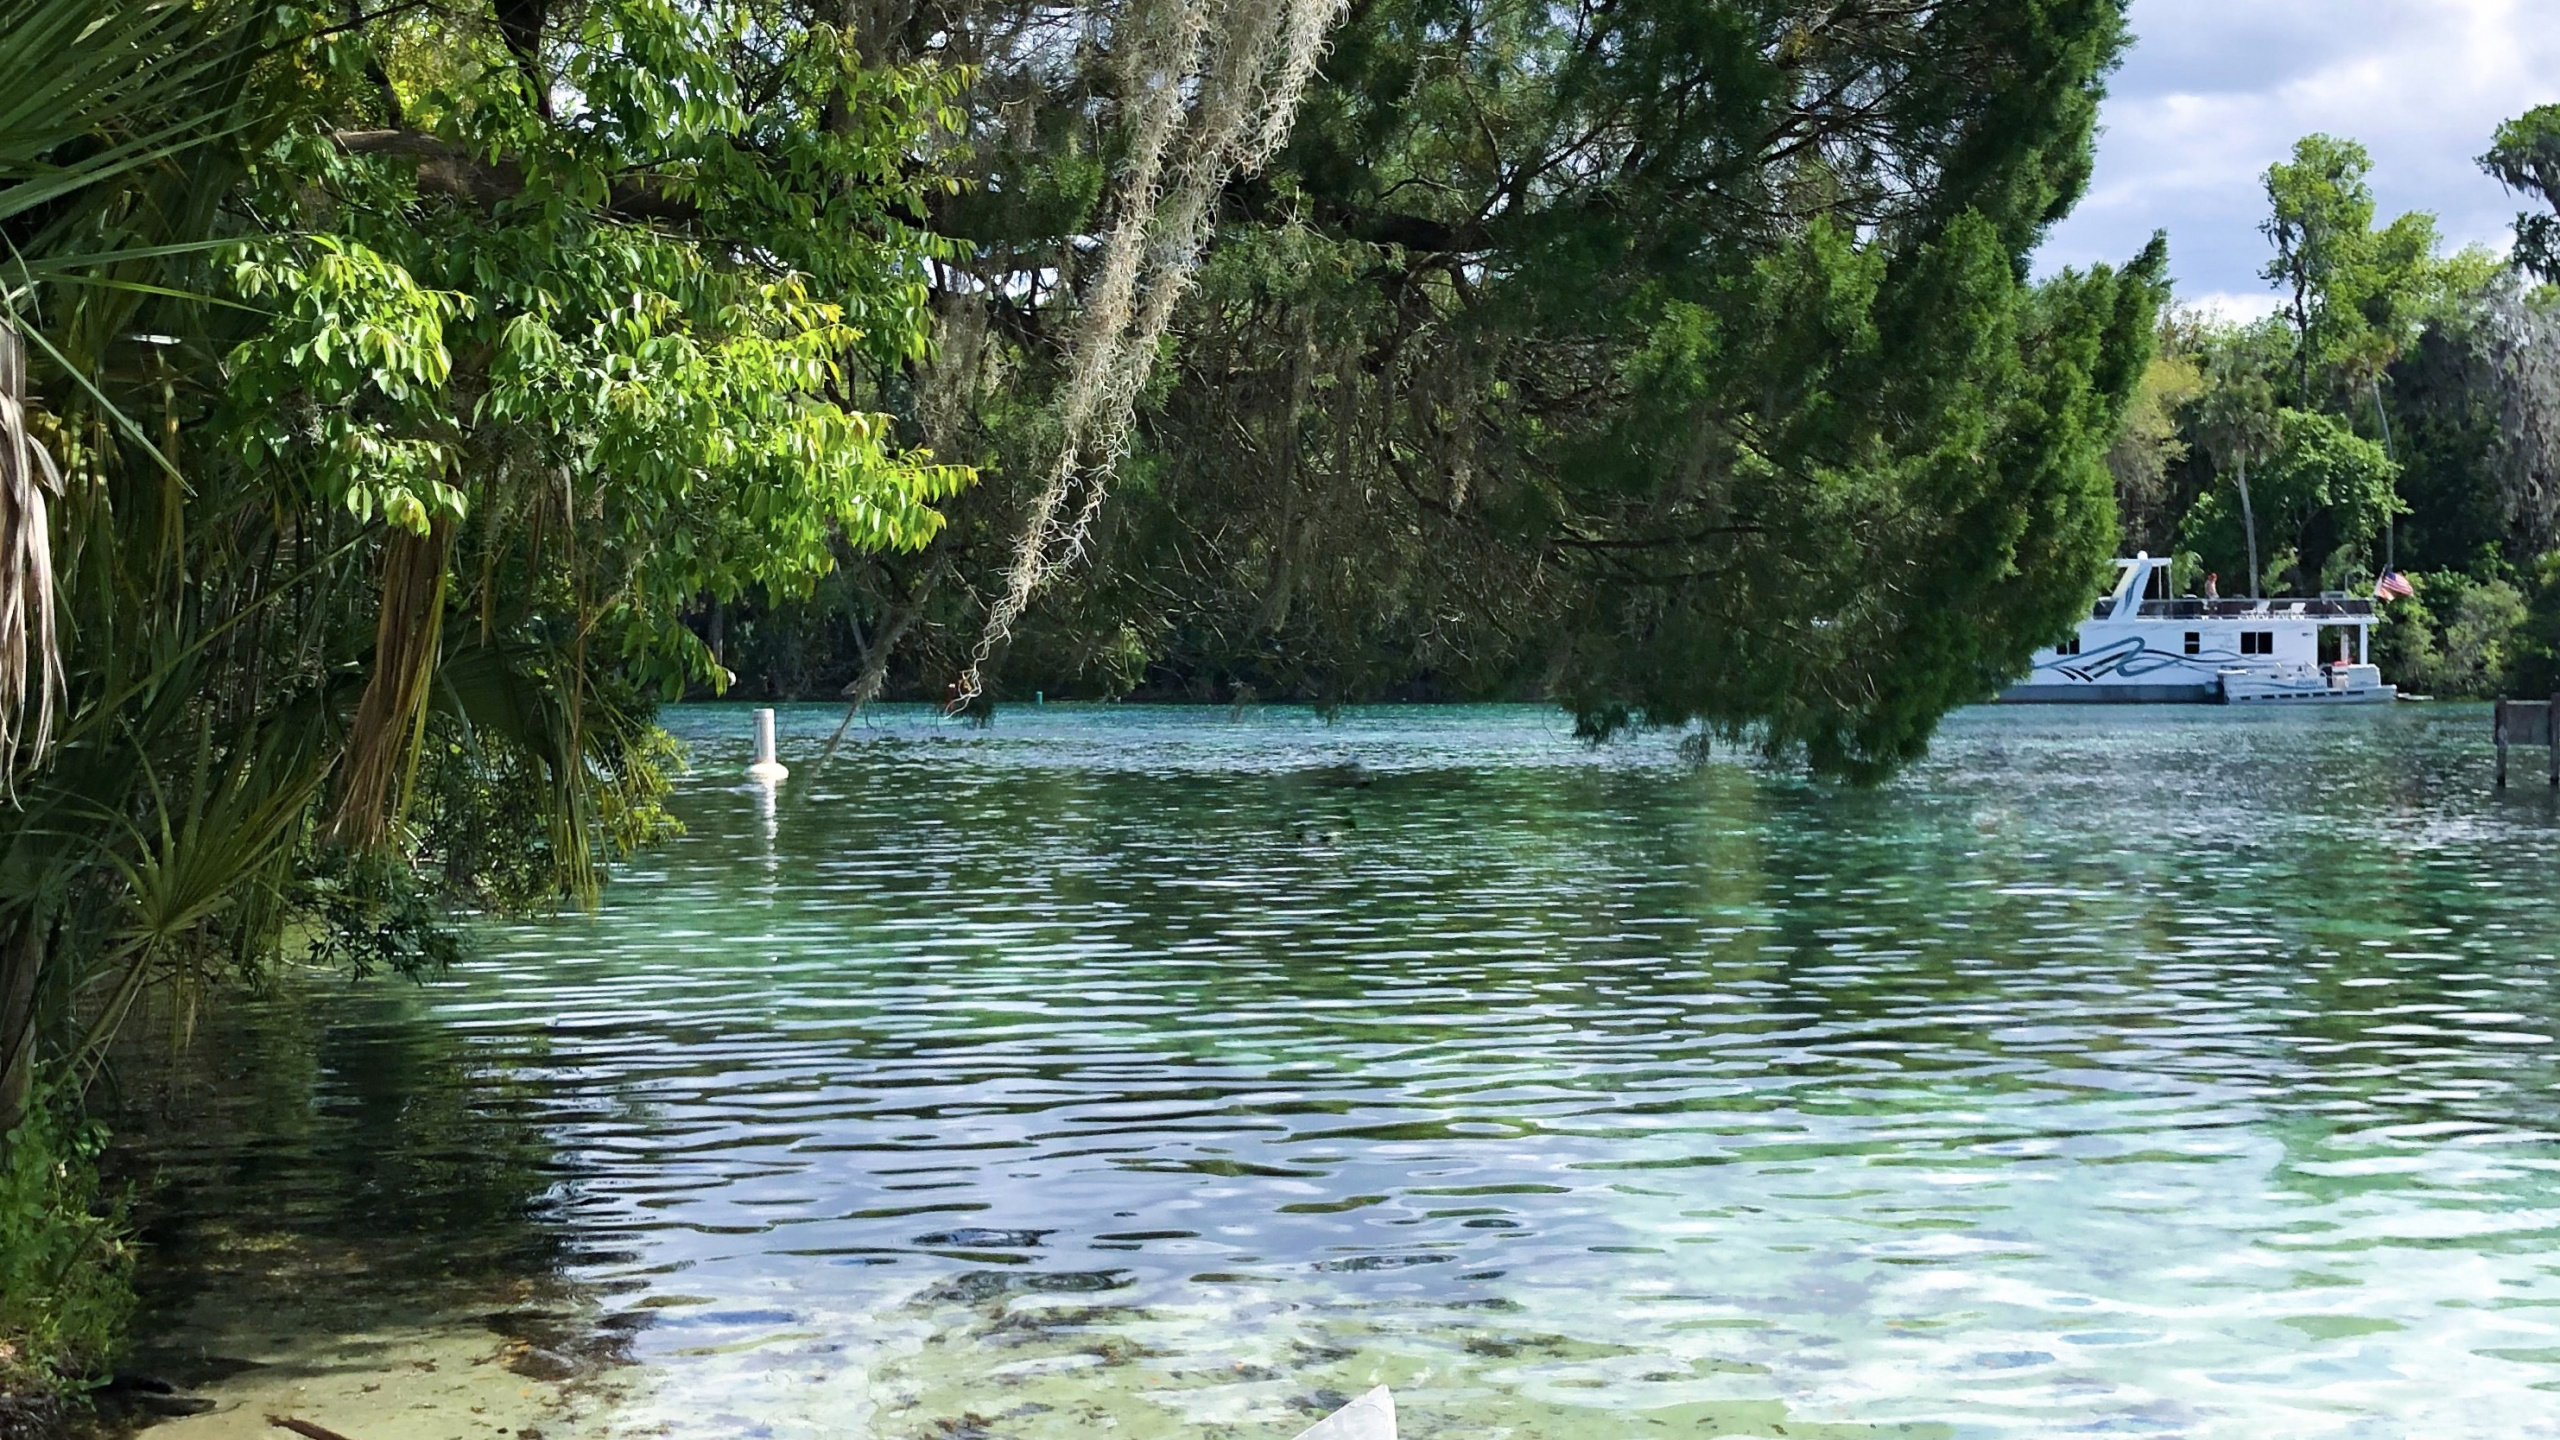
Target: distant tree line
{"points": [[2400, 410]]}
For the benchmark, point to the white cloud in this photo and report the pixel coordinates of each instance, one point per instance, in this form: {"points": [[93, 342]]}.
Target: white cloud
{"points": [[2239, 309], [2217, 90]]}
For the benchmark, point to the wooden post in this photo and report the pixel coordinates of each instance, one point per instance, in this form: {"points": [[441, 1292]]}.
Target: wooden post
{"points": [[2498, 726]]}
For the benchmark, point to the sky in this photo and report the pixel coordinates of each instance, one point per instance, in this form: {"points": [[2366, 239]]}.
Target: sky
{"points": [[2215, 91]]}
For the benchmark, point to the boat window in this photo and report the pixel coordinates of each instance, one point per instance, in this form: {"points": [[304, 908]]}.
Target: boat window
{"points": [[2257, 642], [2195, 643], [2068, 647]]}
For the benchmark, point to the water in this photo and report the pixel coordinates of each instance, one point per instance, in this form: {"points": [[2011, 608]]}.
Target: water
{"points": [[1130, 1072]]}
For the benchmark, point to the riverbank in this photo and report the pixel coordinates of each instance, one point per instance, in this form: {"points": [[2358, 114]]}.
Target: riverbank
{"points": [[382, 1377], [257, 1321], [66, 1265]]}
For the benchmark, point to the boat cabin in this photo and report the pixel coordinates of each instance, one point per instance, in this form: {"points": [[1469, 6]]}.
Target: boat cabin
{"points": [[2142, 644]]}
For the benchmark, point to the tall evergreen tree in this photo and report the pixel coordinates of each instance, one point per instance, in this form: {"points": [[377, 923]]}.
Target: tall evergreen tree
{"points": [[1672, 358]]}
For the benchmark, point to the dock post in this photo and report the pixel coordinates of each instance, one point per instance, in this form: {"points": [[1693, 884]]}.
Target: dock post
{"points": [[770, 769], [2498, 724]]}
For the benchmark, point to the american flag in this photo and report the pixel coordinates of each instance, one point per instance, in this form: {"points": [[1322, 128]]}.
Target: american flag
{"points": [[2393, 585]]}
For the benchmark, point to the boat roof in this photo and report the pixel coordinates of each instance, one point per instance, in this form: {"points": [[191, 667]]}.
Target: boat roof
{"points": [[2133, 583]]}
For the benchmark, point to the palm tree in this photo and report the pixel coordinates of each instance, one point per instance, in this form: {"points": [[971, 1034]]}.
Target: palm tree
{"points": [[105, 115]]}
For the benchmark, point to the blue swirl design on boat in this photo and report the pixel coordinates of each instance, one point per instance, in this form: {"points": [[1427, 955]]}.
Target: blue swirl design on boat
{"points": [[2130, 659]]}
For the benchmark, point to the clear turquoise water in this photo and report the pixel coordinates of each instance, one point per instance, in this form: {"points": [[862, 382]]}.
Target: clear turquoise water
{"points": [[1131, 1072]]}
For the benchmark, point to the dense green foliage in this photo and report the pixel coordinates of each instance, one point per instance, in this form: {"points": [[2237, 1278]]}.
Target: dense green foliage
{"points": [[1670, 360], [2402, 410], [397, 383], [2352, 293], [438, 428], [2320, 494], [64, 1257]]}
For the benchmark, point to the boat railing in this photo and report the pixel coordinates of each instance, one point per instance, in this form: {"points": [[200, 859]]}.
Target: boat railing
{"points": [[2329, 609]]}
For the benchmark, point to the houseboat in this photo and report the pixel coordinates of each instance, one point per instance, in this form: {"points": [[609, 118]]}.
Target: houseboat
{"points": [[2142, 646]]}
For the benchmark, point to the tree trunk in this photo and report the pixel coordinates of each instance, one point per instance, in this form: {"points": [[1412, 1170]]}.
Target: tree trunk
{"points": [[382, 744], [21, 965], [2249, 521], [875, 658]]}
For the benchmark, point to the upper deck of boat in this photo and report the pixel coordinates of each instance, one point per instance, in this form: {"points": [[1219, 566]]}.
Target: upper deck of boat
{"points": [[2332, 607]]}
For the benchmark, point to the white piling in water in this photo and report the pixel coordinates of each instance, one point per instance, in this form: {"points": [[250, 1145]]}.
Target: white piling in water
{"points": [[768, 768], [1371, 1417]]}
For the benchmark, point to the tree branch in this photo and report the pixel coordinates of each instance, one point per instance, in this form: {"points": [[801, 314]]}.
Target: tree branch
{"points": [[447, 169]]}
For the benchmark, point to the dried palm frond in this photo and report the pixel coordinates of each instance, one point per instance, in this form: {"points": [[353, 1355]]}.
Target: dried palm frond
{"points": [[30, 657]]}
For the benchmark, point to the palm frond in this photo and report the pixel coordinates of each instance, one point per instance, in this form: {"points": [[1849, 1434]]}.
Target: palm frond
{"points": [[202, 852], [30, 655]]}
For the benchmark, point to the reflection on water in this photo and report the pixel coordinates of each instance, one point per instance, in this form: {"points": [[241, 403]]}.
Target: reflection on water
{"points": [[348, 1210], [2176, 1073]]}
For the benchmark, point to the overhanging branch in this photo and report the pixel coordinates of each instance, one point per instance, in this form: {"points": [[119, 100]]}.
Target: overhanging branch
{"points": [[450, 170]]}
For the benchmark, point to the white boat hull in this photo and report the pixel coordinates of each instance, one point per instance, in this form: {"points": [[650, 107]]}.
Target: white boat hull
{"points": [[2336, 685], [2135, 649], [2041, 691]]}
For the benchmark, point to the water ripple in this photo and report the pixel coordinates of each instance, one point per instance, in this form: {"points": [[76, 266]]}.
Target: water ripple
{"points": [[2168, 1073]]}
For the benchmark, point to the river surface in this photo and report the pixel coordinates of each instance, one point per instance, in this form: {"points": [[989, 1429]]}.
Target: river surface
{"points": [[1131, 1072]]}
